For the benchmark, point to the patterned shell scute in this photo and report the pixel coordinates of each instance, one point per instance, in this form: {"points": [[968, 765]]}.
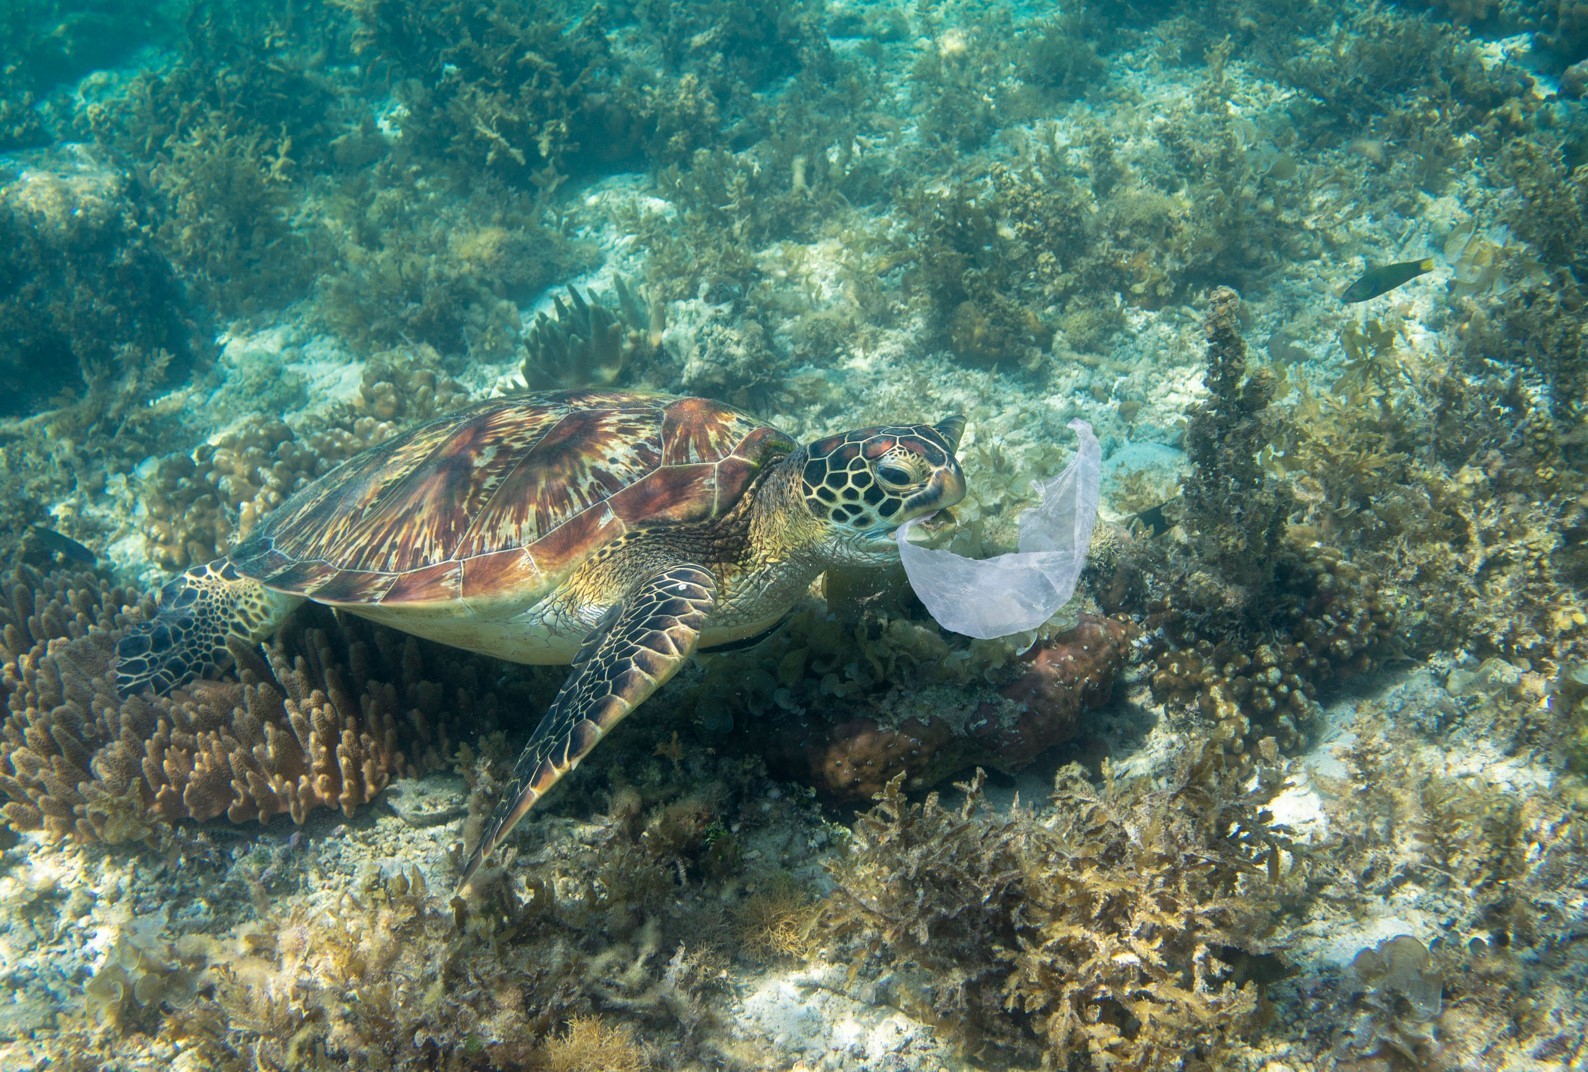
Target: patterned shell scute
{"points": [[504, 499]]}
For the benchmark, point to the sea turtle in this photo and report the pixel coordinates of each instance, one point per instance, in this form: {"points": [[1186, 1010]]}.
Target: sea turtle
{"points": [[614, 531]]}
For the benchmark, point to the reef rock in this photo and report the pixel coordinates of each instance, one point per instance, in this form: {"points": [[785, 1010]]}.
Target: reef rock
{"points": [[1064, 676]]}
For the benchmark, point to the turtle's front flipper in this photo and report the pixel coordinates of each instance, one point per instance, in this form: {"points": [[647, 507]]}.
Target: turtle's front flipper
{"points": [[194, 616], [638, 645]]}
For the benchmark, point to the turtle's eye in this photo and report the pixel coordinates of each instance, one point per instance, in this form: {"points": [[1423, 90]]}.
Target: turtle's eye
{"points": [[895, 476]]}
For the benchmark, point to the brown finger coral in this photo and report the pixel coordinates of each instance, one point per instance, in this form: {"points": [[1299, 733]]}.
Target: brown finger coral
{"points": [[320, 718]]}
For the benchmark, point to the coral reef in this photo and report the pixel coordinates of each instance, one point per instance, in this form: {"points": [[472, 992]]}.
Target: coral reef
{"points": [[853, 759], [198, 502], [1247, 617], [438, 260], [847, 211], [1484, 849], [1327, 622], [1456, 487], [1062, 677], [290, 735]]}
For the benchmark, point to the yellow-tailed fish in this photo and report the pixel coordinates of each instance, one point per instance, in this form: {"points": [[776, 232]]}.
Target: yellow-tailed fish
{"points": [[1385, 278]]}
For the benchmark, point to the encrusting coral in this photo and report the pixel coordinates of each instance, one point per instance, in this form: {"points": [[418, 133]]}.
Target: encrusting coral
{"points": [[290, 733]]}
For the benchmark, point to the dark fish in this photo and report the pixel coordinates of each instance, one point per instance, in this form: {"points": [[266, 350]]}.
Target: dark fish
{"points": [[1153, 519], [1385, 278], [53, 545]]}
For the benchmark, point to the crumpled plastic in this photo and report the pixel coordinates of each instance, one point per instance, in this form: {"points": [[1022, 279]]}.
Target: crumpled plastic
{"points": [[1019, 591]]}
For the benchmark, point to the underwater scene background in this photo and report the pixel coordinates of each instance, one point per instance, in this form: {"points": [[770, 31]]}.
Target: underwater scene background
{"points": [[1296, 782]]}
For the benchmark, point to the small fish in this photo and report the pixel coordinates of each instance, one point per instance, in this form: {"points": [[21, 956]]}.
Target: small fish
{"points": [[55, 546], [1385, 278], [1153, 519]]}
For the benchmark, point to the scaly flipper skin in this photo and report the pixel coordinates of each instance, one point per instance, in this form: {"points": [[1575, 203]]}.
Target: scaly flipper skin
{"points": [[639, 644], [195, 615]]}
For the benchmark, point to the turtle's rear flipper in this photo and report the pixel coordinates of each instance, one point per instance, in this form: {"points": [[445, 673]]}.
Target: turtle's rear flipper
{"points": [[194, 616], [638, 645]]}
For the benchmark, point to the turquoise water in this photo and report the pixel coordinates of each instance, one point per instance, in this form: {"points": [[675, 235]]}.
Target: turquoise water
{"points": [[1295, 780]]}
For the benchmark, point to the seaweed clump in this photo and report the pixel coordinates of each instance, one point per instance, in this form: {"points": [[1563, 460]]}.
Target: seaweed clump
{"points": [[591, 1045], [424, 256], [1111, 936], [525, 92], [1494, 858], [1234, 514], [223, 143], [143, 976], [552, 964], [91, 305], [51, 43], [1249, 616], [1449, 477]]}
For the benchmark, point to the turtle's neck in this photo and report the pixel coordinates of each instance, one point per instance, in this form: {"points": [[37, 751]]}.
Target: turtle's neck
{"points": [[780, 525]]}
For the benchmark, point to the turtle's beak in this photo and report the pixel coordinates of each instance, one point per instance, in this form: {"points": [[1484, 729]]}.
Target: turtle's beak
{"points": [[944, 488], [948, 484]]}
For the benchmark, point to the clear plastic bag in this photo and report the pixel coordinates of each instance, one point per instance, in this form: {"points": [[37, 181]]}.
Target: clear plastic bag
{"points": [[1016, 592]]}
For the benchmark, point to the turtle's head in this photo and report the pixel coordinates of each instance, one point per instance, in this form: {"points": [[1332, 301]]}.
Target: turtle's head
{"points": [[866, 483]]}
